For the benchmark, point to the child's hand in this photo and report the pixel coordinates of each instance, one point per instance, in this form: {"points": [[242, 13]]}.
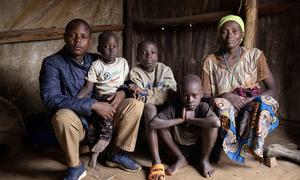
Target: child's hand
{"points": [[135, 89], [189, 115], [110, 97]]}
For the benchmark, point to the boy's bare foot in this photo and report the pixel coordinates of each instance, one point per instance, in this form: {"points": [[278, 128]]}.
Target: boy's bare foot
{"points": [[93, 159], [172, 170], [206, 170], [100, 145]]}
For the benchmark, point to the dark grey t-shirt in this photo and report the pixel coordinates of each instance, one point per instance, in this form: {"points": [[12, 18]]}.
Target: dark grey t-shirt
{"points": [[185, 133]]}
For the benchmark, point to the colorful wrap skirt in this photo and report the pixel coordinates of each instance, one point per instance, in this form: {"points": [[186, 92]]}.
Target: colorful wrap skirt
{"points": [[245, 131]]}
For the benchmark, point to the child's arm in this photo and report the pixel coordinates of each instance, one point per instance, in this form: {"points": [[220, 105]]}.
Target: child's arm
{"points": [[158, 95], [136, 89], [154, 95], [87, 89], [211, 120], [136, 84], [159, 123]]}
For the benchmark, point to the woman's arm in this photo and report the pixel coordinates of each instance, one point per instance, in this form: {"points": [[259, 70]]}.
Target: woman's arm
{"points": [[266, 77], [270, 85], [270, 88], [87, 89], [237, 101]]}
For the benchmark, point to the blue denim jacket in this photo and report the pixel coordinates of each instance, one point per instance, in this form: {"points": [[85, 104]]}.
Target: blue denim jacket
{"points": [[61, 79]]}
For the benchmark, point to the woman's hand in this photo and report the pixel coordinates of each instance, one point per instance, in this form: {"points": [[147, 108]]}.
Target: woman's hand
{"points": [[237, 101], [249, 99]]}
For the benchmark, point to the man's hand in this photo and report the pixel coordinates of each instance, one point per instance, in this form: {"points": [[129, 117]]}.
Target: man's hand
{"points": [[116, 98], [104, 110], [237, 101]]}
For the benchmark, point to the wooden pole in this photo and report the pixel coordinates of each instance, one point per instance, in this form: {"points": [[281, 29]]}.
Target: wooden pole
{"points": [[41, 34], [127, 37], [250, 23]]}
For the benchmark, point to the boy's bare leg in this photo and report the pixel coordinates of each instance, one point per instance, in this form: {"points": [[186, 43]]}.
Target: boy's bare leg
{"points": [[106, 131], [100, 145], [96, 150], [209, 136], [93, 159], [104, 140], [181, 160], [279, 151], [150, 112]]}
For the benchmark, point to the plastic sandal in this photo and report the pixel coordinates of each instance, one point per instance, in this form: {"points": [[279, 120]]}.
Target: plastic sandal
{"points": [[157, 172]]}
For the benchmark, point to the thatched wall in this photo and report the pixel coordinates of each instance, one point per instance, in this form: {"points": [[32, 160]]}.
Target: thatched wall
{"points": [[182, 48], [278, 36]]}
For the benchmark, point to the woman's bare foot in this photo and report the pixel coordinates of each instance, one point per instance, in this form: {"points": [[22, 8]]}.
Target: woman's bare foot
{"points": [[93, 159], [205, 169], [100, 145], [172, 170]]}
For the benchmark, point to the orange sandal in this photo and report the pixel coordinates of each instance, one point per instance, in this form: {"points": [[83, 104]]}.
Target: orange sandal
{"points": [[157, 172]]}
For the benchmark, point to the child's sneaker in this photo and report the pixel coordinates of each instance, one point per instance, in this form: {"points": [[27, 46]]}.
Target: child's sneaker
{"points": [[75, 173]]}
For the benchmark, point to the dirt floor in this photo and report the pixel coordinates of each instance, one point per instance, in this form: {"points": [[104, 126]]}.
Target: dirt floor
{"points": [[37, 162]]}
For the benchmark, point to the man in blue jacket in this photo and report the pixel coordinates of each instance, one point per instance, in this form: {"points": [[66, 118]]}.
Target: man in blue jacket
{"points": [[61, 78]]}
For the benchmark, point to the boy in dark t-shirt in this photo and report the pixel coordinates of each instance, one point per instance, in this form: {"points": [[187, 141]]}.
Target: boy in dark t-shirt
{"points": [[181, 126]]}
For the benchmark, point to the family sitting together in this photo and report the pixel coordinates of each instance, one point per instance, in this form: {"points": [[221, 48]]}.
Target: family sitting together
{"points": [[97, 97]]}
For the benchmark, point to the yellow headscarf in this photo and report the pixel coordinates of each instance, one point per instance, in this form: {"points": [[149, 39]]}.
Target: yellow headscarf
{"points": [[234, 18]]}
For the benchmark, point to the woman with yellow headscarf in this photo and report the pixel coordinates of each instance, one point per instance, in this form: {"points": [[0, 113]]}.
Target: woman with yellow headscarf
{"points": [[232, 83]]}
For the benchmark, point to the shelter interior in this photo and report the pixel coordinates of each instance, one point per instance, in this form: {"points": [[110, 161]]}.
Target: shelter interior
{"points": [[185, 33]]}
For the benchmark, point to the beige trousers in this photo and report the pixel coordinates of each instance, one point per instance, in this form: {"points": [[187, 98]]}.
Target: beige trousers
{"points": [[69, 129]]}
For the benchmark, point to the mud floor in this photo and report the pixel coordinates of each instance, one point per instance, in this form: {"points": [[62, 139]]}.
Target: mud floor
{"points": [[37, 162]]}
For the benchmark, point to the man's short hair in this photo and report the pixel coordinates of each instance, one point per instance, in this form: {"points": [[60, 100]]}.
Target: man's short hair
{"points": [[75, 22]]}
